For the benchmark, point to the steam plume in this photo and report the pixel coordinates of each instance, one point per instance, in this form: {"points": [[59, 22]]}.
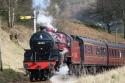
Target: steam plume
{"points": [[43, 17]]}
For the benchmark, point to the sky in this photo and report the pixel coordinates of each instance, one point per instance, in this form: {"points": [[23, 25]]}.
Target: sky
{"points": [[41, 4]]}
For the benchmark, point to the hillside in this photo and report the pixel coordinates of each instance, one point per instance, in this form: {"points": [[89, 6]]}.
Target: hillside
{"points": [[78, 28], [12, 52]]}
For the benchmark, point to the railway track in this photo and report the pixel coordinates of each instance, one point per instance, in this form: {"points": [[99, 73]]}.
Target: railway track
{"points": [[60, 77]]}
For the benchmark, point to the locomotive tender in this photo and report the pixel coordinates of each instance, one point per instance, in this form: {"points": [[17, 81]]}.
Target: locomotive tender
{"points": [[83, 55]]}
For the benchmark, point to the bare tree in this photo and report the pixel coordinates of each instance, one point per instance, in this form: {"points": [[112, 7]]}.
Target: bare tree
{"points": [[9, 13], [123, 13], [13, 12], [105, 12], [110, 10], [1, 64]]}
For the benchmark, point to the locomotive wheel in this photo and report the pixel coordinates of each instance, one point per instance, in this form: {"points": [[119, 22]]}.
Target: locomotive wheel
{"points": [[93, 70], [37, 74], [43, 78], [84, 70], [31, 76], [74, 69], [101, 69], [70, 72], [51, 73], [78, 70], [46, 74]]}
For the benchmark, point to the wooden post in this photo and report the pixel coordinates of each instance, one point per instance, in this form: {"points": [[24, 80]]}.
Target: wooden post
{"points": [[34, 21]]}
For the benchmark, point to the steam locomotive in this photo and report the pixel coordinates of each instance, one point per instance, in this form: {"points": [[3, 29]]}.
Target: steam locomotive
{"points": [[51, 49], [44, 57]]}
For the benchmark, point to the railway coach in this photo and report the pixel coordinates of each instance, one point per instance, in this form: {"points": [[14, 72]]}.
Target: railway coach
{"points": [[90, 55]]}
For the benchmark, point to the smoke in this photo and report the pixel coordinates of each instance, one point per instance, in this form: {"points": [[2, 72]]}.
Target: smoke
{"points": [[40, 4], [62, 76], [43, 17], [63, 70]]}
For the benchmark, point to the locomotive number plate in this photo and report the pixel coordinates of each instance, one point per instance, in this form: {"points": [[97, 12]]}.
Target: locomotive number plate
{"points": [[41, 42]]}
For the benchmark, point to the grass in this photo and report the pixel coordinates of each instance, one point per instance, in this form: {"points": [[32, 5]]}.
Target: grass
{"points": [[9, 75], [12, 54], [113, 76]]}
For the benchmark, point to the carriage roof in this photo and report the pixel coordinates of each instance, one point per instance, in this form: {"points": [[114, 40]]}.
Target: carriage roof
{"points": [[102, 43], [92, 41], [116, 45]]}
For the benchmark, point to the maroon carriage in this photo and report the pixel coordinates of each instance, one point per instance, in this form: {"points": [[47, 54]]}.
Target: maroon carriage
{"points": [[91, 55], [116, 54]]}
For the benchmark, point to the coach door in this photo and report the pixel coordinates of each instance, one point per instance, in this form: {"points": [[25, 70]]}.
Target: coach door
{"points": [[81, 45], [75, 52]]}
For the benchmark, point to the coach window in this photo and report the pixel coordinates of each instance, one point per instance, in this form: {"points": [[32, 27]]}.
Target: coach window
{"points": [[89, 50], [123, 53], [120, 53], [103, 51], [94, 50], [90, 47], [86, 49], [110, 52], [98, 51], [116, 52]]}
